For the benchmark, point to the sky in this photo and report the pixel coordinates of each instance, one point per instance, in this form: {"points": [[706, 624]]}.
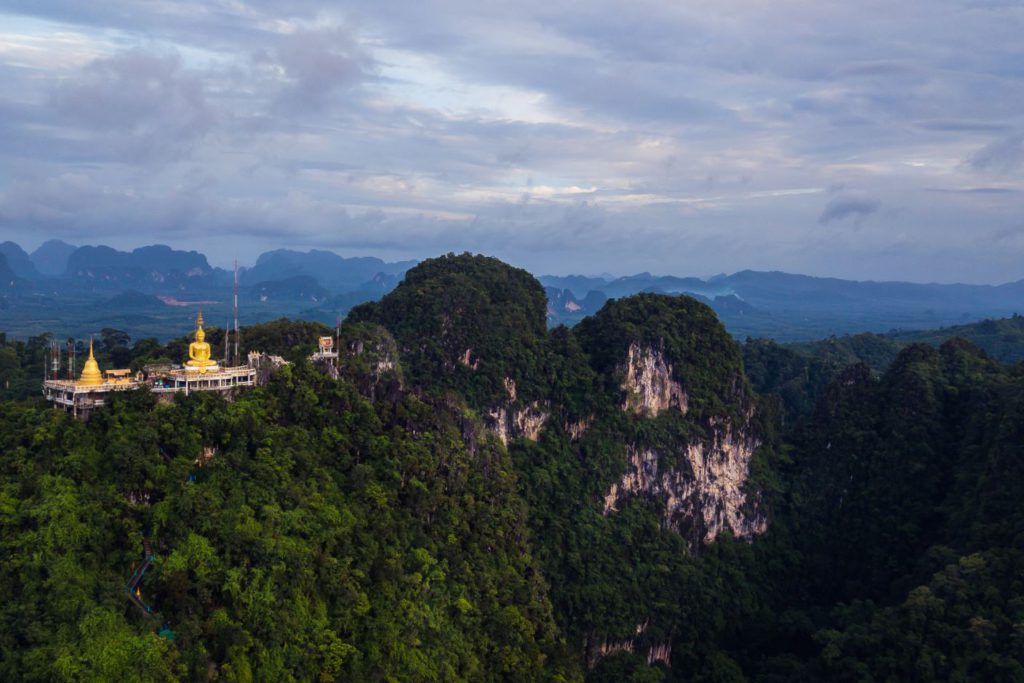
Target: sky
{"points": [[865, 140]]}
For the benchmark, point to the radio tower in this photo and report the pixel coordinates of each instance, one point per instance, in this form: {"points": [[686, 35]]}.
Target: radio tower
{"points": [[236, 313], [55, 358], [71, 358]]}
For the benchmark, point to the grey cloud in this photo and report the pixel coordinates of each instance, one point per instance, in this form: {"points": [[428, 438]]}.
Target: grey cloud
{"points": [[973, 190], [1004, 155], [961, 126], [874, 68], [857, 208], [147, 104], [316, 65]]}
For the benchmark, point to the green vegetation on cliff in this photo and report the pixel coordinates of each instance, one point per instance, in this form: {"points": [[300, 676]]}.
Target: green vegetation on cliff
{"points": [[466, 323]]}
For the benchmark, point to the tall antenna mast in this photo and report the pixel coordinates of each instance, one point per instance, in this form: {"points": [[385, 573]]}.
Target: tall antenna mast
{"points": [[71, 358], [55, 358], [236, 312], [227, 336]]}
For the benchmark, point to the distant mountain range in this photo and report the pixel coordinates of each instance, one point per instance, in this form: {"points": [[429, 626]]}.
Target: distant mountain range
{"points": [[51, 258], [155, 290], [794, 307], [335, 273], [66, 289]]}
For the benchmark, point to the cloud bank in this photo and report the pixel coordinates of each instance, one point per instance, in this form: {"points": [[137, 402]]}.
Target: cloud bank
{"points": [[675, 138]]}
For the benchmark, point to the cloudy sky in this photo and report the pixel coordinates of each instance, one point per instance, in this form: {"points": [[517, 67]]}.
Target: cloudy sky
{"points": [[856, 139]]}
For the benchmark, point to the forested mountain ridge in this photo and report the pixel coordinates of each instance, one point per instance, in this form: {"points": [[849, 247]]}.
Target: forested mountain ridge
{"points": [[476, 497], [635, 435]]}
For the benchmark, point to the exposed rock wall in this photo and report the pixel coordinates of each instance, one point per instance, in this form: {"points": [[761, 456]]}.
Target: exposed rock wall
{"points": [[511, 421], [701, 486], [514, 423], [650, 387], [656, 652], [576, 429], [699, 483]]}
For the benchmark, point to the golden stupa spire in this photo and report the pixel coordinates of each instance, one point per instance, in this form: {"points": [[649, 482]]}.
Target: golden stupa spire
{"points": [[91, 375]]}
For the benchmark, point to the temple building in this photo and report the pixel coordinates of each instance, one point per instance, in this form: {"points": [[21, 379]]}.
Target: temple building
{"points": [[199, 373]]}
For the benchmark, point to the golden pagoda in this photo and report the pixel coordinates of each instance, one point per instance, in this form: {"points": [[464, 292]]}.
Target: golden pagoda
{"points": [[199, 350], [91, 375]]}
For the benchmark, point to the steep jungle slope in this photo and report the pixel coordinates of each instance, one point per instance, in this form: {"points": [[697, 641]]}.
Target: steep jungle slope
{"points": [[899, 537], [301, 533]]}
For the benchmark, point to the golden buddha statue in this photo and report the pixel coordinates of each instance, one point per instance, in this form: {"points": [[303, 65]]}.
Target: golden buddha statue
{"points": [[91, 375], [199, 350]]}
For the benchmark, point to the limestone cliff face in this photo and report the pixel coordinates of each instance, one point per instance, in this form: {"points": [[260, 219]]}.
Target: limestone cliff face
{"points": [[513, 421], [655, 652], [701, 487], [700, 482], [650, 387], [576, 429]]}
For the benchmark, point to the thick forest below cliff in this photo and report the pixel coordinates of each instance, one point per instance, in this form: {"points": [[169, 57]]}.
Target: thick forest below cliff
{"points": [[471, 496]]}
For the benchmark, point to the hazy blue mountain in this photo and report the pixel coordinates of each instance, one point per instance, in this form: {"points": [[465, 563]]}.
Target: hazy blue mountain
{"points": [[579, 285], [645, 282], [12, 287], [299, 288], [155, 269], [336, 273], [382, 283], [731, 304], [18, 261], [132, 300], [814, 293], [565, 308], [7, 275], [51, 257], [792, 307]]}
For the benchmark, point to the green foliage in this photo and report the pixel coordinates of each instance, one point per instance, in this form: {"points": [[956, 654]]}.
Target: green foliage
{"points": [[798, 373], [22, 365], [966, 623], [705, 359], [466, 323], [1002, 339], [875, 351], [369, 358], [326, 539]]}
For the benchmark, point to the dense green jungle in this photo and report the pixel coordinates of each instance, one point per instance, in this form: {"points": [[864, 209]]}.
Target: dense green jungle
{"points": [[468, 495]]}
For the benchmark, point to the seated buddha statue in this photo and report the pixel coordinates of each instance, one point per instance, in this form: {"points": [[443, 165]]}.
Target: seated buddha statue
{"points": [[199, 350]]}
